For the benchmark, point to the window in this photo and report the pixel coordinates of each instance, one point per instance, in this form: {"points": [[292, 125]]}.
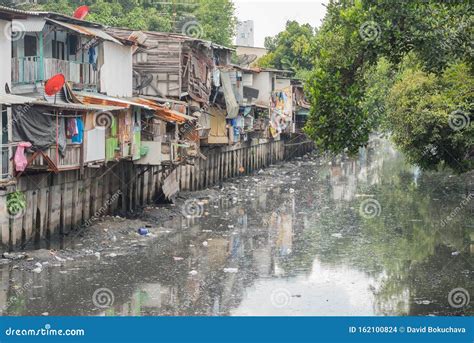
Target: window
{"points": [[30, 46], [58, 50], [72, 43]]}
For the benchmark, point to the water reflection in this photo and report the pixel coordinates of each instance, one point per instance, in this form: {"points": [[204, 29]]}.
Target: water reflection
{"points": [[291, 242]]}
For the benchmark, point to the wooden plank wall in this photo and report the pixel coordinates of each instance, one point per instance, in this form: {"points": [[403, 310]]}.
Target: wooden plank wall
{"points": [[65, 203]]}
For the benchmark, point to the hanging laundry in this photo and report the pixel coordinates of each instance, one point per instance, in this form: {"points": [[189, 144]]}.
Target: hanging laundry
{"points": [[78, 138], [93, 58], [71, 129], [20, 159]]}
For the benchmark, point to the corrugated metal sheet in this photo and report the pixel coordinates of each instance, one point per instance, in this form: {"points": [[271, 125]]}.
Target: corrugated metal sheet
{"points": [[10, 99], [165, 113], [77, 107], [32, 24], [87, 31], [101, 99]]}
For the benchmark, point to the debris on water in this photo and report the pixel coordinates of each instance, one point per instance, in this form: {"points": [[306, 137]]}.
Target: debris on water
{"points": [[14, 256], [231, 270], [143, 231], [60, 259]]}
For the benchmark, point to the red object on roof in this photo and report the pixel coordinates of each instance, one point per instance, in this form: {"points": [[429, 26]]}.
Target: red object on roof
{"points": [[54, 84], [81, 12]]}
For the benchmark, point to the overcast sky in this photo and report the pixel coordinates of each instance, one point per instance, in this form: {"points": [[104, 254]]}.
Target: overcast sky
{"points": [[270, 16]]}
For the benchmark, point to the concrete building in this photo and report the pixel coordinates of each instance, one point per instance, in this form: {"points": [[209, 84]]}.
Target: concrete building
{"points": [[245, 33]]}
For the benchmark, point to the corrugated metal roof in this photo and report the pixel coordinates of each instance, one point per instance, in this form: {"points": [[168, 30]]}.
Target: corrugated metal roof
{"points": [[11, 99], [18, 11], [165, 113], [87, 31], [101, 99], [77, 107], [32, 24]]}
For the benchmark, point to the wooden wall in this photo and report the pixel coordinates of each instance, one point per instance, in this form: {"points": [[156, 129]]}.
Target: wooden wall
{"points": [[65, 203]]}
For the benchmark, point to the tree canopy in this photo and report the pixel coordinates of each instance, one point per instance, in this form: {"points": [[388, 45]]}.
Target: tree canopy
{"points": [[207, 19], [292, 49], [358, 79]]}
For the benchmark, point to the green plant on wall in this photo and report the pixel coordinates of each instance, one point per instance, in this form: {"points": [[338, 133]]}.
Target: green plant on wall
{"points": [[16, 203]]}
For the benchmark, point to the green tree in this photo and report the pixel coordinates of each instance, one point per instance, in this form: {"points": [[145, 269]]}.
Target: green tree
{"points": [[353, 37], [291, 49], [217, 19], [208, 19], [430, 117]]}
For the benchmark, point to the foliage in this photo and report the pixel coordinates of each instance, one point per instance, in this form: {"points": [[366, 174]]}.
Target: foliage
{"points": [[16, 203], [358, 52], [291, 49], [215, 19], [430, 117]]}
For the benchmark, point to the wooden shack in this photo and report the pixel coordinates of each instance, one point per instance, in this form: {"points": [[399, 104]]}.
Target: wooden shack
{"points": [[174, 66]]}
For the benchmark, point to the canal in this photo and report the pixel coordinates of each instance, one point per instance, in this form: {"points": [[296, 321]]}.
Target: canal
{"points": [[312, 236]]}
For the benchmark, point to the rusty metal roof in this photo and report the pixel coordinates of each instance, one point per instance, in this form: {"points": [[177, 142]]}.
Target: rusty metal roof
{"points": [[87, 31], [165, 113]]}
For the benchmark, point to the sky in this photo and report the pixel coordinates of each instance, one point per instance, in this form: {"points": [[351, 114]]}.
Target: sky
{"points": [[270, 16]]}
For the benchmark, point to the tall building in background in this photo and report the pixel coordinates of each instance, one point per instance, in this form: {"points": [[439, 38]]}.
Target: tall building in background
{"points": [[245, 33]]}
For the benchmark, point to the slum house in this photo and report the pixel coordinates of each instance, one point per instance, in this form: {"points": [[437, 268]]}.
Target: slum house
{"points": [[266, 102], [301, 105], [181, 68], [91, 122]]}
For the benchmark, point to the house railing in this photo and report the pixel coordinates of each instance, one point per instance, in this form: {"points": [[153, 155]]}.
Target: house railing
{"points": [[28, 70], [70, 160]]}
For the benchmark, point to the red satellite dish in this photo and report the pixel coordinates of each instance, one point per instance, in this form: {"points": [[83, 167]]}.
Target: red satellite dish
{"points": [[54, 84], [81, 12]]}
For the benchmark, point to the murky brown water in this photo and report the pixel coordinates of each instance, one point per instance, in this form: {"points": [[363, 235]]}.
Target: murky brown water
{"points": [[310, 237]]}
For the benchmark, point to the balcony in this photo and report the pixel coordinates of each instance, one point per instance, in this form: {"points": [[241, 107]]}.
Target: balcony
{"points": [[27, 70], [70, 161]]}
